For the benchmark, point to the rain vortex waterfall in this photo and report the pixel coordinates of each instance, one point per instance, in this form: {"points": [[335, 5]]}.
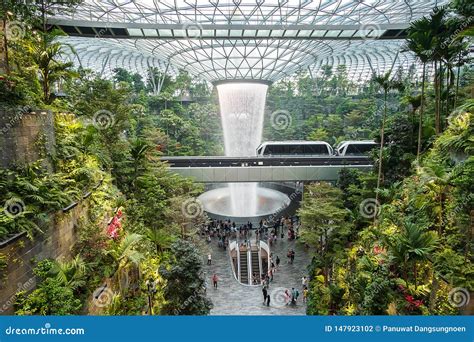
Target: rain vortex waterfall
{"points": [[242, 107]]}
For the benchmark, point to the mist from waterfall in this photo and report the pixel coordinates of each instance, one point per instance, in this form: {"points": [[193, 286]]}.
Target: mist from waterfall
{"points": [[242, 107]]}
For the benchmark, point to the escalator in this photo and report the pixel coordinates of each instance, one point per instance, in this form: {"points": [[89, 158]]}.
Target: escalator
{"points": [[244, 271], [255, 266]]}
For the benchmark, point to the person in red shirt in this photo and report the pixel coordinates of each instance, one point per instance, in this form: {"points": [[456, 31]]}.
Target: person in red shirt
{"points": [[214, 280]]}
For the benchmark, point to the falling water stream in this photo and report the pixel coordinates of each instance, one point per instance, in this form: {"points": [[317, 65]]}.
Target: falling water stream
{"points": [[242, 108]]}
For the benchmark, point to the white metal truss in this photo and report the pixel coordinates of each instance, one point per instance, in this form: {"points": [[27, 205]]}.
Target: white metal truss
{"points": [[242, 39]]}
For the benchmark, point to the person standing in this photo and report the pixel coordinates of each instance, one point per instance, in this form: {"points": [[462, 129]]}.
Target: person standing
{"points": [[305, 295], [293, 296], [287, 297], [277, 261], [215, 280], [265, 294], [268, 300], [209, 259], [304, 282]]}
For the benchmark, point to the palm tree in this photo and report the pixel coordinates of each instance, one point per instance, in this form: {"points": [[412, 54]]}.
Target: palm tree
{"points": [[420, 41], [138, 153], [438, 31], [125, 254], [412, 246], [46, 56], [70, 273], [161, 239], [387, 84]]}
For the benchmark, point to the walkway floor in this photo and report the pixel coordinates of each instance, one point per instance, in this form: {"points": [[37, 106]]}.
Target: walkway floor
{"points": [[233, 298]]}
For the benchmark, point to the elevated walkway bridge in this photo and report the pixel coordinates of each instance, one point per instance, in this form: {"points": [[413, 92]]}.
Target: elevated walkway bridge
{"points": [[219, 169]]}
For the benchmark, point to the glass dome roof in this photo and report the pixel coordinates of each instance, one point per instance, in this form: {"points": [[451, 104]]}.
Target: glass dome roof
{"points": [[242, 39]]}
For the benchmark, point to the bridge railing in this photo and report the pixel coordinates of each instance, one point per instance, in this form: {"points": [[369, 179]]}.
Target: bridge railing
{"points": [[220, 161]]}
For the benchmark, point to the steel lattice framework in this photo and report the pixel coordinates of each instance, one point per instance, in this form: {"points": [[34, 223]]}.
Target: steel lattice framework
{"points": [[242, 39]]}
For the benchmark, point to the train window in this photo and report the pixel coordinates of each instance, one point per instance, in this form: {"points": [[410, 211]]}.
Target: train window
{"points": [[296, 149], [354, 149], [315, 149], [268, 149]]}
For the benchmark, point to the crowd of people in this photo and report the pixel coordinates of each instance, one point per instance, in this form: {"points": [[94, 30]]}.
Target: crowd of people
{"points": [[270, 231]]}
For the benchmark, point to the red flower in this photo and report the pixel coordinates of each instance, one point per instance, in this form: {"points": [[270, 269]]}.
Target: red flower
{"points": [[418, 303]]}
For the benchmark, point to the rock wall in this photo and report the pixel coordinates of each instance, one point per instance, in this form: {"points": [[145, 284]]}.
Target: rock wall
{"points": [[25, 136], [23, 253]]}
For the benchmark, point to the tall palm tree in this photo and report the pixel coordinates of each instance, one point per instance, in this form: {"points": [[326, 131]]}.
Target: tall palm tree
{"points": [[386, 84], [420, 41], [438, 29]]}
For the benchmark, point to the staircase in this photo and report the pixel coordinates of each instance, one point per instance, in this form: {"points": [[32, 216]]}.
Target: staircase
{"points": [[255, 265], [244, 271]]}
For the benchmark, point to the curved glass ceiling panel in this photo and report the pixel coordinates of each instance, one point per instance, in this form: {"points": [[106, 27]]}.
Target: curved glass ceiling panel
{"points": [[242, 39]]}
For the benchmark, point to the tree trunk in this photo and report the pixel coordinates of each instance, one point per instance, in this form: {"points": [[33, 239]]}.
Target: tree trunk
{"points": [[415, 275], [457, 81], [382, 137], [437, 86], [422, 108], [5, 45], [433, 293]]}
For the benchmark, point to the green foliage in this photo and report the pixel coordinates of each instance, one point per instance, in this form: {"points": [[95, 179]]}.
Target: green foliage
{"points": [[31, 194], [53, 295], [50, 298], [185, 286]]}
